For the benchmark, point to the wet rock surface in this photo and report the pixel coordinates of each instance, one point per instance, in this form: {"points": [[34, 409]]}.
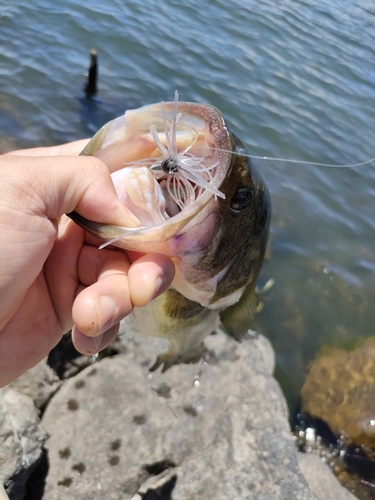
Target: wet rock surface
{"points": [[213, 430], [340, 390], [350, 466]]}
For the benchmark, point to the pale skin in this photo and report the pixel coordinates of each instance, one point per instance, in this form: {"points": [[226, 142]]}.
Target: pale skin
{"points": [[52, 275]]}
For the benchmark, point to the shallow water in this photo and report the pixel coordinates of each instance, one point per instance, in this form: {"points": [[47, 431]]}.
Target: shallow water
{"points": [[294, 79]]}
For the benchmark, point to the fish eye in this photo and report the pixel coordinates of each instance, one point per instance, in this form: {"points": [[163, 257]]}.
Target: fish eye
{"points": [[241, 199], [169, 166]]}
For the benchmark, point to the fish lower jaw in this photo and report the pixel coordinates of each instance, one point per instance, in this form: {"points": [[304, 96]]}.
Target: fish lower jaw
{"points": [[204, 292], [227, 301]]}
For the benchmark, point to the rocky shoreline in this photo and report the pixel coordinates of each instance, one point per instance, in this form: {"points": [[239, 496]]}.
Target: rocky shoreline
{"points": [[112, 430]]}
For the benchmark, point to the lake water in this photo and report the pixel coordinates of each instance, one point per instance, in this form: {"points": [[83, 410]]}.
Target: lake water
{"points": [[294, 79]]}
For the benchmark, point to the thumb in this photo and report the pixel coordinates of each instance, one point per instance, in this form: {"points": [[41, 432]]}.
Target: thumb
{"points": [[52, 186]]}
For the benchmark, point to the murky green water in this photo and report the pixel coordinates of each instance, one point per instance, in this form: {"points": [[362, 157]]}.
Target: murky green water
{"points": [[294, 79]]}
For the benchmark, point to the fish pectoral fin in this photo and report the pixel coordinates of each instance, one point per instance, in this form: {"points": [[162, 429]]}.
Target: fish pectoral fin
{"points": [[237, 318], [171, 357]]}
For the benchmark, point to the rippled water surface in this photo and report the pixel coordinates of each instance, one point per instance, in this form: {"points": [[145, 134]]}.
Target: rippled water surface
{"points": [[295, 80]]}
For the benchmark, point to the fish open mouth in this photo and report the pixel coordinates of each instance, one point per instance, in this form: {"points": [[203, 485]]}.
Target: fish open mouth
{"points": [[186, 165], [167, 161]]}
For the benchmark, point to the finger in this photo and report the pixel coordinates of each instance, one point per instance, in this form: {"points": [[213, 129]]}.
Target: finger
{"points": [[68, 149], [98, 308], [94, 263], [107, 300], [149, 276], [52, 186], [92, 345]]}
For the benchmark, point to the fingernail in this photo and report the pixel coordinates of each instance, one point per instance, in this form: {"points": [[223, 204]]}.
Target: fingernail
{"points": [[135, 222], [126, 218], [97, 341], [105, 309], [158, 288]]}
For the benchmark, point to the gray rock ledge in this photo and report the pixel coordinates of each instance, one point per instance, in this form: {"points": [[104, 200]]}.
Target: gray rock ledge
{"points": [[217, 430]]}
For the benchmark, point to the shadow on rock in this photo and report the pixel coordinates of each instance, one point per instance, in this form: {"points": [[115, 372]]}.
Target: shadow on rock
{"points": [[164, 492], [36, 484]]}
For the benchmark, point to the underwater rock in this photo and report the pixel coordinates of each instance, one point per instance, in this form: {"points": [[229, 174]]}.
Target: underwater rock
{"points": [[321, 479], [340, 390], [216, 429], [21, 441]]}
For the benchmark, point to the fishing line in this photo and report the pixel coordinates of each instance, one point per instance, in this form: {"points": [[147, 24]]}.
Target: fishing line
{"points": [[170, 153], [286, 160], [171, 141]]}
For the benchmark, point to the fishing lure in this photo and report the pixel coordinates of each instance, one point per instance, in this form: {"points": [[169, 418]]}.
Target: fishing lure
{"points": [[188, 176]]}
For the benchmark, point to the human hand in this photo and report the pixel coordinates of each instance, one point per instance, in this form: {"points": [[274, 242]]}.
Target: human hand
{"points": [[52, 275]]}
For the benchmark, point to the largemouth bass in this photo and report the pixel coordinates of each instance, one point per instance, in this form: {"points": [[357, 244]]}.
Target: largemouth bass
{"points": [[194, 197]]}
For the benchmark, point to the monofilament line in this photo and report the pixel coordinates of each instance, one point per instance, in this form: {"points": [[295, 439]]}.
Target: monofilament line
{"points": [[303, 162]]}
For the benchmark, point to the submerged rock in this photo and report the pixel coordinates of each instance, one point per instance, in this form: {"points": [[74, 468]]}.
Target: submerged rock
{"points": [[340, 390], [321, 479], [215, 430]]}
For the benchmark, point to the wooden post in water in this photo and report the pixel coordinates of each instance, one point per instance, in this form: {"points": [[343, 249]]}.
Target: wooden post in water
{"points": [[92, 77]]}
